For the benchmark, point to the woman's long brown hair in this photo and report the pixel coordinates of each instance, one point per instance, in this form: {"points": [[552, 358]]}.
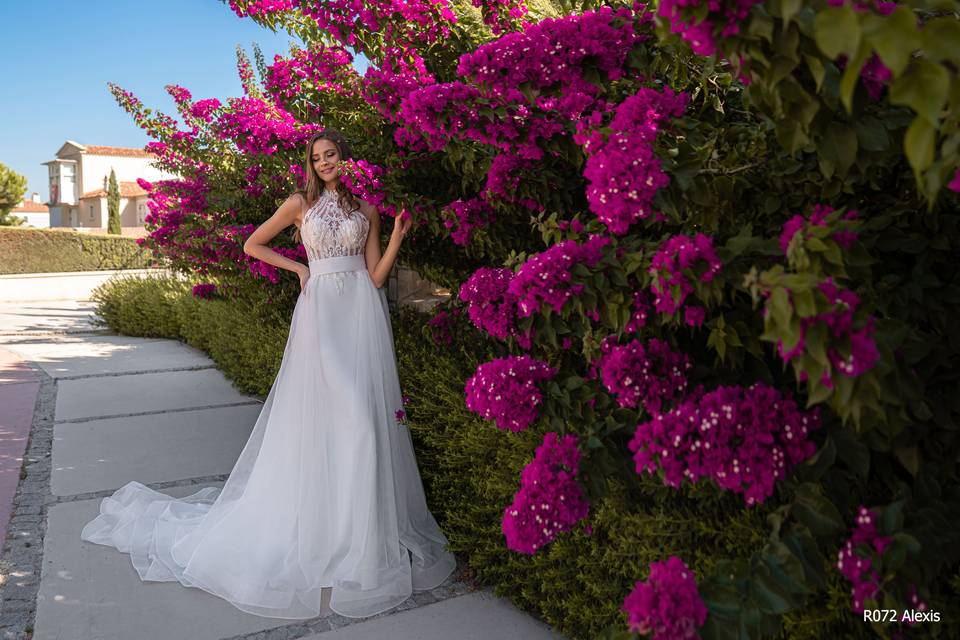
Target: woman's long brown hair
{"points": [[311, 192]]}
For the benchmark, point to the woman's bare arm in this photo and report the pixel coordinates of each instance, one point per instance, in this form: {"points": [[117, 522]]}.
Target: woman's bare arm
{"points": [[378, 265], [256, 245]]}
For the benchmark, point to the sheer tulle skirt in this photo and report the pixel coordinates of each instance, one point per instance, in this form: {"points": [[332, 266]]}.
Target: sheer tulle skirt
{"points": [[326, 492]]}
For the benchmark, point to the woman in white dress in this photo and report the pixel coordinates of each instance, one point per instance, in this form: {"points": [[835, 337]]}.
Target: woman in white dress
{"points": [[324, 509]]}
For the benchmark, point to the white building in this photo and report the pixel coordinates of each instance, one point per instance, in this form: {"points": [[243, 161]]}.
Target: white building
{"points": [[36, 213], [79, 176]]}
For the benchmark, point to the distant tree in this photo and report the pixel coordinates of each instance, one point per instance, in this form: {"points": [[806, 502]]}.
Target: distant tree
{"points": [[113, 205], [12, 187]]}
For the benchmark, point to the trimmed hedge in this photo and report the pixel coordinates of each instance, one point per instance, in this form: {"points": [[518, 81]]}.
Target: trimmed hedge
{"points": [[56, 250], [245, 341], [470, 470]]}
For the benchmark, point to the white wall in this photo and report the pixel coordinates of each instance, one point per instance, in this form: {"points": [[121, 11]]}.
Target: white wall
{"points": [[95, 168], [37, 219]]}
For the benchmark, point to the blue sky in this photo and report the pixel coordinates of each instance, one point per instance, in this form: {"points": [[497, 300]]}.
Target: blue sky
{"points": [[56, 57]]}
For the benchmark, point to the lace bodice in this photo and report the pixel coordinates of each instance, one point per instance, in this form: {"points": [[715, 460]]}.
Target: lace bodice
{"points": [[328, 230]]}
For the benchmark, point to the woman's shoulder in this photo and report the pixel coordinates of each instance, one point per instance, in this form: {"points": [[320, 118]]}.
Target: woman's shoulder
{"points": [[300, 197]]}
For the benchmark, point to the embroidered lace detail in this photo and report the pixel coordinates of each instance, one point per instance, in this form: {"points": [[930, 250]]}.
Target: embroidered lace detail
{"points": [[328, 231]]}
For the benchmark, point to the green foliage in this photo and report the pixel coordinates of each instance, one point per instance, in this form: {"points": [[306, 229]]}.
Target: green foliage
{"points": [[113, 205], [53, 250], [245, 341], [12, 186]]}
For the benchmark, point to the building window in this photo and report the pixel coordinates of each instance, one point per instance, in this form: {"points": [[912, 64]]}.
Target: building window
{"points": [[91, 212]]}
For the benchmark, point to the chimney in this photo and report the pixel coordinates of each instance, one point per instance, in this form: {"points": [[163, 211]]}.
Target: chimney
{"points": [[35, 197]]}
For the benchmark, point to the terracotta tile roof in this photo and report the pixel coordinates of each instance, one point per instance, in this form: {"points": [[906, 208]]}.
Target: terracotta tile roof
{"points": [[29, 206], [130, 152], [127, 190]]}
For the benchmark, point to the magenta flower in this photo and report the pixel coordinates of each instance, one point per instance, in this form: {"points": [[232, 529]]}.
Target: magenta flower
{"points": [[205, 290], [674, 268], [544, 279], [745, 440], [549, 500], [856, 559], [651, 375], [505, 390], [623, 171], [666, 605]]}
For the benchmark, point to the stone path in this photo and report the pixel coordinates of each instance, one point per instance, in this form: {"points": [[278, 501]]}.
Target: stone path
{"points": [[101, 409]]}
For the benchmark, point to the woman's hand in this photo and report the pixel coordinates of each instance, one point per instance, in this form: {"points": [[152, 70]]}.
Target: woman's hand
{"points": [[401, 226], [304, 272]]}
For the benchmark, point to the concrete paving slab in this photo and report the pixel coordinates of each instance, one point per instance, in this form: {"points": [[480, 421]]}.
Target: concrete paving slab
{"points": [[92, 591], [474, 616], [101, 396], [52, 315], [75, 355], [106, 454]]}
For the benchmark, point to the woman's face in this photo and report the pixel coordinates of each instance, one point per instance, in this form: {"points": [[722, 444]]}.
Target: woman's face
{"points": [[325, 157]]}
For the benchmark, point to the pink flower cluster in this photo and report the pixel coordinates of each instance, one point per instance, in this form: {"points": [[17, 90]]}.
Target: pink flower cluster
{"points": [[203, 109], [319, 68], [955, 182], [623, 171], [204, 290], [549, 500], [491, 307], [397, 22], [467, 216], [666, 605], [818, 218], [259, 127], [250, 175], [862, 350], [544, 278], [719, 18], [555, 51], [674, 266], [256, 8], [651, 375], [745, 440], [641, 312], [503, 15], [503, 180], [397, 77], [441, 326], [505, 391], [554, 55], [856, 558]]}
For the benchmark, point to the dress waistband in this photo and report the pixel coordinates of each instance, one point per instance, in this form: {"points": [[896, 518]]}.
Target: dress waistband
{"points": [[337, 263]]}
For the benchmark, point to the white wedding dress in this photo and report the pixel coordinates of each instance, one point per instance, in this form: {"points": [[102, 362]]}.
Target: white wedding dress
{"points": [[326, 492]]}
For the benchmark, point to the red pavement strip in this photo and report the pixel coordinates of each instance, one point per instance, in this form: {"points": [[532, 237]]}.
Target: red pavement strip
{"points": [[19, 385]]}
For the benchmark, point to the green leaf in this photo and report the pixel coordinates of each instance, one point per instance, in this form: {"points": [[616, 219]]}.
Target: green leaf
{"points": [[851, 75], [896, 37], [837, 30], [853, 452], [780, 307], [871, 134], [923, 88], [909, 457], [816, 512], [789, 8], [816, 69], [919, 143], [941, 40], [802, 544]]}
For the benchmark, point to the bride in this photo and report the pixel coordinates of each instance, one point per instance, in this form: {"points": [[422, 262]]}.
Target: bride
{"points": [[324, 510]]}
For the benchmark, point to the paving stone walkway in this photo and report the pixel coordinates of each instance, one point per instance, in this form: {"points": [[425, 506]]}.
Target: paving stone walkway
{"points": [[83, 412]]}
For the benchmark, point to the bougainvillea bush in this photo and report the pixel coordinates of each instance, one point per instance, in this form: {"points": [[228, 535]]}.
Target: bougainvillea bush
{"points": [[716, 245]]}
